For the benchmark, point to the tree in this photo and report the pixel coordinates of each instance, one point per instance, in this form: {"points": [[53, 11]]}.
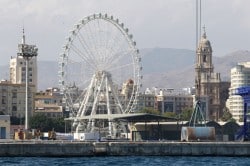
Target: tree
{"points": [[16, 121], [185, 115], [59, 124], [170, 114], [40, 121], [226, 116]]}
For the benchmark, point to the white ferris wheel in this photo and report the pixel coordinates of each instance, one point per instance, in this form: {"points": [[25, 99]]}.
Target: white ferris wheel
{"points": [[99, 70]]}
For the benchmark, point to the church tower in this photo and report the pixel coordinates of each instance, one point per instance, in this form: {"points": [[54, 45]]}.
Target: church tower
{"points": [[203, 62], [208, 83]]}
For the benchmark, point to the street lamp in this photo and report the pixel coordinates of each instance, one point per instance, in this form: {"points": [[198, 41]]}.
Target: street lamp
{"points": [[27, 52]]}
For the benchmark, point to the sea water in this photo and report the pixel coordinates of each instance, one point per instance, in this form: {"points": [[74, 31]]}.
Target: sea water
{"points": [[124, 161]]}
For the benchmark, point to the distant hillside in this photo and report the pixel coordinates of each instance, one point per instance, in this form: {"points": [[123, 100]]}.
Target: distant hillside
{"points": [[48, 74], [184, 76], [162, 67], [225, 63], [165, 59]]}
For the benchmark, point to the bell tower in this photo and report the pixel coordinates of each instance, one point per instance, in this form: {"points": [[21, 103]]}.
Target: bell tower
{"points": [[209, 86], [204, 63]]}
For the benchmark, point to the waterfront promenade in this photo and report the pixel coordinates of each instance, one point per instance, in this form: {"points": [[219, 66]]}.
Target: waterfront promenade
{"points": [[73, 148]]}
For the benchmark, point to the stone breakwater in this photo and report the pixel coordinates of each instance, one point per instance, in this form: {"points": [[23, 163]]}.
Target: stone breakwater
{"points": [[70, 149]]}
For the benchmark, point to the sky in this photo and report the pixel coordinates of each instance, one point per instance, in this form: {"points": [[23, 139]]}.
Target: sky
{"points": [[153, 23]]}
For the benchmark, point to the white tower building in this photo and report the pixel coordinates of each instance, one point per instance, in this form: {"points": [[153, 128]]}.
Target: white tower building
{"points": [[240, 76]]}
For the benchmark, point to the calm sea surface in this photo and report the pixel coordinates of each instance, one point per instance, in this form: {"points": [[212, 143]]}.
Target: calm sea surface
{"points": [[136, 161]]}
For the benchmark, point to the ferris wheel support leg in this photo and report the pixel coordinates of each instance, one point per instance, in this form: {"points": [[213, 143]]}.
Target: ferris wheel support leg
{"points": [[108, 106], [83, 107], [96, 96], [92, 129], [96, 100], [116, 100]]}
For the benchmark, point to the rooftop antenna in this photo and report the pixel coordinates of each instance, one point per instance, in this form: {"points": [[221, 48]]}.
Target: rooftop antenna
{"points": [[23, 37]]}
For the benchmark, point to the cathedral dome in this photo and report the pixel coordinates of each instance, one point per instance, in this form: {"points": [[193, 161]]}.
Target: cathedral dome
{"points": [[204, 43]]}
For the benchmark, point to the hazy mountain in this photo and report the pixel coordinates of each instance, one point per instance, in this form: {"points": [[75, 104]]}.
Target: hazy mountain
{"points": [[162, 67], [165, 59], [183, 74]]}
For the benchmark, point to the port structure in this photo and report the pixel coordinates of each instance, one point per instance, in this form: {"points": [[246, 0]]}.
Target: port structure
{"points": [[197, 117], [244, 92]]}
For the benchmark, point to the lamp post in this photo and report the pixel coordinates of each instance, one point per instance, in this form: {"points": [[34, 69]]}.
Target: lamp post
{"points": [[27, 52]]}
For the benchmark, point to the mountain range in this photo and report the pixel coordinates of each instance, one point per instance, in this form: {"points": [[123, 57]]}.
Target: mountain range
{"points": [[162, 67]]}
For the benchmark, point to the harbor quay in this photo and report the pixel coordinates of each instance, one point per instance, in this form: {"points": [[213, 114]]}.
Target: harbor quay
{"points": [[43, 148]]}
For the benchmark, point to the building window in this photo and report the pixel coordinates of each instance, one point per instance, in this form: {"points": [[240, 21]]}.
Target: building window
{"points": [[14, 108], [211, 101], [14, 95], [3, 101], [204, 58]]}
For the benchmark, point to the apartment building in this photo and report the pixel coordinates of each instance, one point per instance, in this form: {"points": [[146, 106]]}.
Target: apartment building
{"points": [[49, 103], [12, 99], [240, 77]]}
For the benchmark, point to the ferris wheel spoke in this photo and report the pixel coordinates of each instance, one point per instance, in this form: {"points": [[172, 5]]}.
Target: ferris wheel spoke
{"points": [[120, 67], [89, 45], [111, 43], [83, 83], [114, 55], [117, 58], [81, 55], [117, 50], [89, 52], [106, 41], [115, 41], [93, 40], [100, 40]]}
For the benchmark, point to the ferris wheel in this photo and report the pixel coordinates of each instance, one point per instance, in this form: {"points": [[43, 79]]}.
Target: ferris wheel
{"points": [[100, 68]]}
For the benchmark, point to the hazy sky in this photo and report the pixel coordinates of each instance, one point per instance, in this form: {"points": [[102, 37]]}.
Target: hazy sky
{"points": [[153, 23]]}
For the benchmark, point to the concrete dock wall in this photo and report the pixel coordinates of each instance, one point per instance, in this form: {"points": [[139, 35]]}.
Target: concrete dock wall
{"points": [[181, 149], [46, 149], [68, 149]]}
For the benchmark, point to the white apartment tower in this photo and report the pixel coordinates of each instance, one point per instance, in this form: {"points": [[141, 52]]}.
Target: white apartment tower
{"points": [[240, 76], [18, 68]]}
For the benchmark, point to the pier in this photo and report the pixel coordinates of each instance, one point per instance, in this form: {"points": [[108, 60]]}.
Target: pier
{"points": [[81, 149]]}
